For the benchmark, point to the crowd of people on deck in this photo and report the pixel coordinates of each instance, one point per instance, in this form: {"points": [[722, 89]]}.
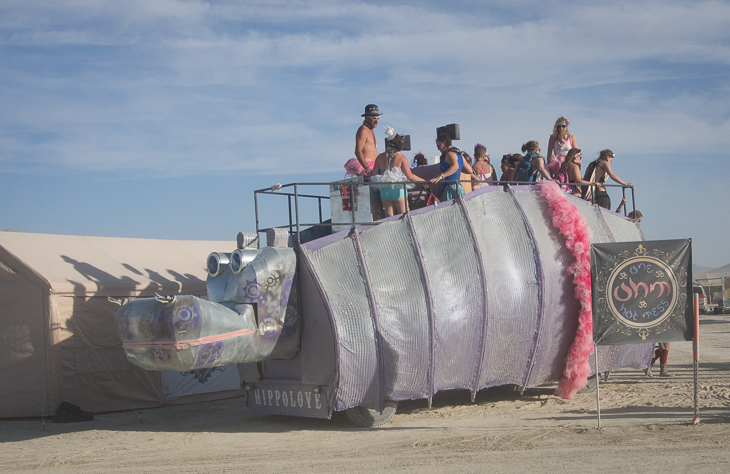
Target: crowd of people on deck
{"points": [[461, 174]]}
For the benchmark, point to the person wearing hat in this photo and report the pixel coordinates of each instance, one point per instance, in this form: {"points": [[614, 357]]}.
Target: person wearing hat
{"points": [[366, 148]]}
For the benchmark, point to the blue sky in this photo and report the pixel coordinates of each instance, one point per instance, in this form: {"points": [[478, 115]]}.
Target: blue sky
{"points": [[157, 119]]}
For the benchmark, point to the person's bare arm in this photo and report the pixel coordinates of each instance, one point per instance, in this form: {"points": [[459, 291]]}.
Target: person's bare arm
{"points": [[360, 139], [466, 168], [539, 164], [407, 170], [453, 162], [574, 175], [573, 141], [609, 171]]}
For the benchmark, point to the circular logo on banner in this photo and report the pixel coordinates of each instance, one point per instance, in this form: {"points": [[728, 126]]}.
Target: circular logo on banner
{"points": [[642, 292]]}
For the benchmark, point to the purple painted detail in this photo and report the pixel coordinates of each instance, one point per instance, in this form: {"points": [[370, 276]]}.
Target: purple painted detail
{"points": [[541, 277], [598, 210], [483, 276], [293, 399], [208, 354], [202, 375], [159, 355], [376, 320], [304, 254], [186, 317], [429, 306]]}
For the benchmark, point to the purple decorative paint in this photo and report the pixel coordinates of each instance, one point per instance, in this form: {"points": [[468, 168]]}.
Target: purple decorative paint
{"points": [[208, 354]]}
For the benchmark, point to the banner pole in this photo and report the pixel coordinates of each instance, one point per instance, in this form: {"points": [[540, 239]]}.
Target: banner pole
{"points": [[598, 383], [696, 352]]}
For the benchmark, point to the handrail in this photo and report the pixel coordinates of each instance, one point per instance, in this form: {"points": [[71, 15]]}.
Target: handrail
{"points": [[295, 224]]}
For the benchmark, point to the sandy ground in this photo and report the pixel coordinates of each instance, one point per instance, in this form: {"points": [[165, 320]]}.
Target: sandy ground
{"points": [[646, 425]]}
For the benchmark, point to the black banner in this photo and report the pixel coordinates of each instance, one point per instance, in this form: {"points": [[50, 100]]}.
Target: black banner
{"points": [[642, 292]]}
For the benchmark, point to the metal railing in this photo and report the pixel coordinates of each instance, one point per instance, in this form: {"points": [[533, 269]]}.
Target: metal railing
{"points": [[293, 197]]}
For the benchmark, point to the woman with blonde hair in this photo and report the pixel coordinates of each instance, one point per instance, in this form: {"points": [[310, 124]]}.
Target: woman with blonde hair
{"points": [[560, 143]]}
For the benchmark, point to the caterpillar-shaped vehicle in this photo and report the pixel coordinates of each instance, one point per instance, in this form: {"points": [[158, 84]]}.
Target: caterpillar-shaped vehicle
{"points": [[471, 293]]}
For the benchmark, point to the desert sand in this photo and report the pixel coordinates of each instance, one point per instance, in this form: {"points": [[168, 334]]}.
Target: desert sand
{"points": [[646, 426]]}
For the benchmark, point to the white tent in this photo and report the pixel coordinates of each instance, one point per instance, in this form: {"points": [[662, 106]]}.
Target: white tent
{"points": [[57, 335]]}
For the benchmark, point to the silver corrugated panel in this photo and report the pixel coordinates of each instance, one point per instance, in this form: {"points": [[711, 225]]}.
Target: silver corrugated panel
{"points": [[531, 313], [450, 262], [586, 209], [338, 269], [512, 287], [400, 296], [623, 229], [560, 316]]}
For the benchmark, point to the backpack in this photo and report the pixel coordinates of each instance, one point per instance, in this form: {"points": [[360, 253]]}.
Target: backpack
{"points": [[523, 172], [563, 181], [590, 175]]}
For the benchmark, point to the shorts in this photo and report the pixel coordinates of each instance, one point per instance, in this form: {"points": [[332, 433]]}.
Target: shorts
{"points": [[603, 199], [392, 193], [450, 191]]}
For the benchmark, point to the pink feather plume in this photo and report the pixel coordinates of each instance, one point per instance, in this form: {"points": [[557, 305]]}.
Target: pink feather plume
{"points": [[566, 218]]}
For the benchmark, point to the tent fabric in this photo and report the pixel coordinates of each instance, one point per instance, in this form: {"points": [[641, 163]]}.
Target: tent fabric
{"points": [[57, 335]]}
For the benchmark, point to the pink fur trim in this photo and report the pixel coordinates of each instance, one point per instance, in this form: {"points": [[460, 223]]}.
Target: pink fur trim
{"points": [[572, 226], [354, 168]]}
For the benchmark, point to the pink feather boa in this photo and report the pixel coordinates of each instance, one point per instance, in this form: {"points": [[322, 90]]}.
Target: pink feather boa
{"points": [[572, 226], [354, 168]]}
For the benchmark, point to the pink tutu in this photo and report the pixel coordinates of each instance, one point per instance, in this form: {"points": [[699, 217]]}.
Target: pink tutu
{"points": [[354, 168], [553, 165]]}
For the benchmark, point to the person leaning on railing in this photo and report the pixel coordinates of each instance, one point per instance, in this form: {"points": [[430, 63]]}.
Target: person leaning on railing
{"points": [[393, 167], [452, 164], [602, 169], [569, 173], [508, 165]]}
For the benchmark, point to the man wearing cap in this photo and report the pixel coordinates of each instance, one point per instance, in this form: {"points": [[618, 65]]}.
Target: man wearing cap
{"points": [[366, 148]]}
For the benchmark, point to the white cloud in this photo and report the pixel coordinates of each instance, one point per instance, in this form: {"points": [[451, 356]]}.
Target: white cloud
{"points": [[155, 84]]}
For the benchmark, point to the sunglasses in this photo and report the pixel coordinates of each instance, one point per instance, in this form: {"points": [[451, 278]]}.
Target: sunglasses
{"points": [[562, 126]]}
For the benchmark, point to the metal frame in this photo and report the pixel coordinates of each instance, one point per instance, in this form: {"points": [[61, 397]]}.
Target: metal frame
{"points": [[295, 225]]}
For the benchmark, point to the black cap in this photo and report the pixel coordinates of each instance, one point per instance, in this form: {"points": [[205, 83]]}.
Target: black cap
{"points": [[371, 109]]}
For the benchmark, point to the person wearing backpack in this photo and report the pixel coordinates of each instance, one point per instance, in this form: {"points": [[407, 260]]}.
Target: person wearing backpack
{"points": [[596, 173], [532, 167], [451, 165], [483, 169]]}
